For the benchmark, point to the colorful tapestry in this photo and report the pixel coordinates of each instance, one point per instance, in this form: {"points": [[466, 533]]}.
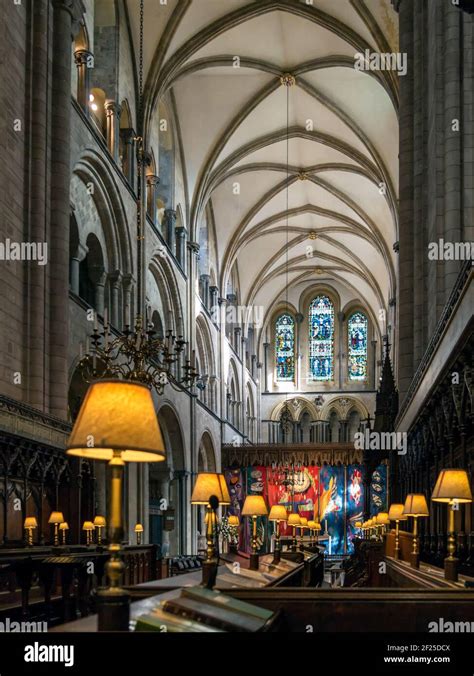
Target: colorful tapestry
{"points": [[378, 490], [354, 504]]}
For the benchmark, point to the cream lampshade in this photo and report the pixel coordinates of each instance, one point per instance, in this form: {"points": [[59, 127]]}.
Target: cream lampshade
{"points": [[87, 525], [415, 506], [254, 505], [382, 518], [278, 513], [452, 487], [209, 484], [64, 526], [139, 531], [303, 522], [99, 521], [117, 416], [234, 521], [395, 513], [56, 517], [30, 522]]}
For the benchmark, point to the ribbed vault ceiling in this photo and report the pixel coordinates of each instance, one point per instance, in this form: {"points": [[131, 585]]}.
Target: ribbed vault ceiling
{"points": [[233, 124]]}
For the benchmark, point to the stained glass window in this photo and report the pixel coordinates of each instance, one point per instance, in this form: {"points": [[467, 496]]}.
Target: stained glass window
{"points": [[321, 339], [357, 346], [285, 347]]}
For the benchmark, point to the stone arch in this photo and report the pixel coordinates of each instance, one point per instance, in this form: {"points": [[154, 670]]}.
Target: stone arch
{"points": [[163, 294], [206, 454]]}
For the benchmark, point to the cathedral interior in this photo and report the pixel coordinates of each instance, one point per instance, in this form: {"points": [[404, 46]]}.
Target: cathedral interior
{"points": [[237, 315]]}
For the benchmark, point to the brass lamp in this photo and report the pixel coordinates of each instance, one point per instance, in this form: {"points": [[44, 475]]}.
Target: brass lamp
{"points": [[64, 527], [277, 513], [452, 487], [55, 519], [234, 524], [382, 522], [303, 527], [395, 513], [415, 506], [29, 525], [293, 521], [311, 525], [139, 531], [117, 423], [99, 523], [210, 490], [254, 506], [88, 527]]}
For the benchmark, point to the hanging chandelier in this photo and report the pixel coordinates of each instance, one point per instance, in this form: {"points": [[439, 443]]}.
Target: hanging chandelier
{"points": [[138, 353]]}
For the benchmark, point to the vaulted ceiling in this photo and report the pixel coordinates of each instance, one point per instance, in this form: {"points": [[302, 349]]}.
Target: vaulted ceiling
{"points": [[316, 163]]}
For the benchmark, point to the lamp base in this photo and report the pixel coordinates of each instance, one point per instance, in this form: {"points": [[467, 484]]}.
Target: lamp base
{"points": [[397, 553], [209, 574], [113, 609], [277, 556], [451, 569], [254, 561], [414, 560]]}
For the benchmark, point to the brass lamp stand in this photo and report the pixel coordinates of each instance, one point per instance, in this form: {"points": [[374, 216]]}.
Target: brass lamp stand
{"points": [[277, 513], [254, 506], [293, 521], [210, 490], [415, 506], [395, 513], [452, 487]]}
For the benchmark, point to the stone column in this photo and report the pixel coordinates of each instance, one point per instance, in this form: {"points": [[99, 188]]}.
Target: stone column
{"points": [[152, 182], [115, 281], [100, 293], [340, 362], [83, 60], [74, 264], [112, 111], [129, 155], [180, 234], [169, 221], [65, 17], [127, 297], [265, 363]]}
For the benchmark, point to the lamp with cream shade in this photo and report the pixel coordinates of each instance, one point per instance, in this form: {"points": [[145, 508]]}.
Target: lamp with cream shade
{"points": [[303, 527], [293, 521], [99, 523], [415, 506], [64, 527], [452, 487], [88, 527], [277, 513], [234, 523], [138, 530], [29, 525], [382, 522], [395, 513], [55, 518], [254, 506], [117, 423], [210, 490]]}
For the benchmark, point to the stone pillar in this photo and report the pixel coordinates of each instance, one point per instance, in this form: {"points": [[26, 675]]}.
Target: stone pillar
{"points": [[112, 111], [127, 297], [100, 293], [66, 14], [169, 221], [340, 362], [180, 234], [74, 265], [265, 364], [152, 182], [129, 155], [115, 281], [83, 60], [204, 279]]}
